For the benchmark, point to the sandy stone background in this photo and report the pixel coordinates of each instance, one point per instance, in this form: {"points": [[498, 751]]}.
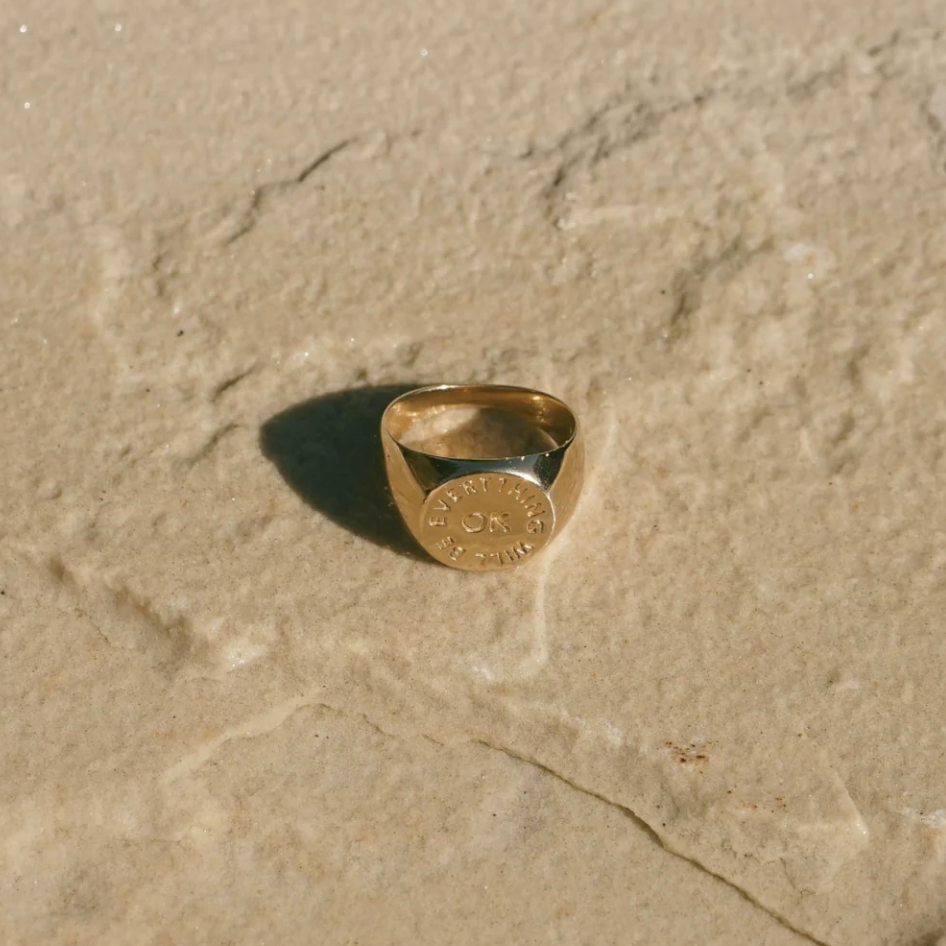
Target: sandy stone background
{"points": [[237, 706]]}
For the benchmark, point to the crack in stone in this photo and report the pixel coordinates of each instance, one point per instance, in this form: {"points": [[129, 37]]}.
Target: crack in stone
{"points": [[623, 121], [128, 621], [249, 215], [267, 722], [230, 382], [206, 448], [891, 42], [936, 120], [620, 123], [815, 82], [652, 834], [687, 286]]}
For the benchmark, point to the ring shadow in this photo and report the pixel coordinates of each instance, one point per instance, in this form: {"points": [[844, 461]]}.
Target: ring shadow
{"points": [[328, 449]]}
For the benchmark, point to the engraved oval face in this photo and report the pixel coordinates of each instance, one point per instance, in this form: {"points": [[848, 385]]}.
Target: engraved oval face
{"points": [[486, 521]]}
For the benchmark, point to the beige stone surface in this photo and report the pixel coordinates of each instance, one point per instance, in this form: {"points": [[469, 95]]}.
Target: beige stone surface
{"points": [[237, 707]]}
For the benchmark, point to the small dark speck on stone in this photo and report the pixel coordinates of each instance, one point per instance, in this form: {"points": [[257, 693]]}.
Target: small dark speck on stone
{"points": [[180, 332]]}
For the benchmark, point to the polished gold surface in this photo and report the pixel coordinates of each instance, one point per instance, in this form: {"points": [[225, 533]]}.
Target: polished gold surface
{"points": [[484, 475]]}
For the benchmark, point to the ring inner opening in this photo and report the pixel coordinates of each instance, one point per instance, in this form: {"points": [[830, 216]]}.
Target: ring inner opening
{"points": [[466, 424]]}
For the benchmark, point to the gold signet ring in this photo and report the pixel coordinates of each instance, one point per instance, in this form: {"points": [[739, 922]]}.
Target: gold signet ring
{"points": [[484, 475]]}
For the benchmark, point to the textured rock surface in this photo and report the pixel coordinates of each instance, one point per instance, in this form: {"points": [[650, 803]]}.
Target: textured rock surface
{"points": [[238, 706]]}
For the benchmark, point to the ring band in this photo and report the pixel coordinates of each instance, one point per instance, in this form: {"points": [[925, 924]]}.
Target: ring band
{"points": [[491, 511]]}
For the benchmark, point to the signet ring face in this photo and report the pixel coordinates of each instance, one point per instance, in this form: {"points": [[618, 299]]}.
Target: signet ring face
{"points": [[493, 499]]}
